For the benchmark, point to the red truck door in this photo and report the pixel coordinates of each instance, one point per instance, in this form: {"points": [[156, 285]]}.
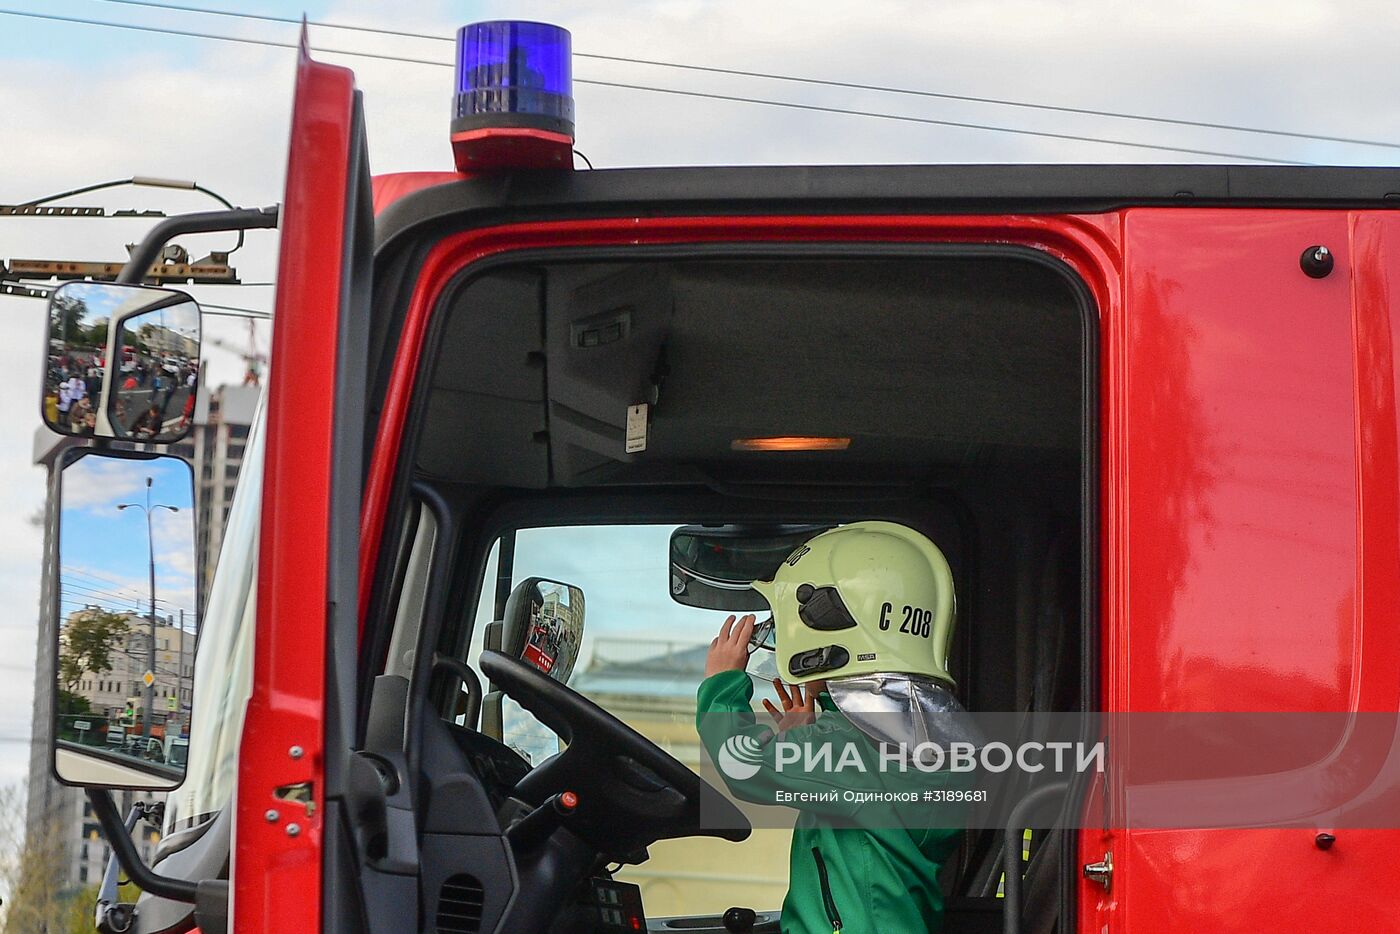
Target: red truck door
{"points": [[1259, 420], [304, 658]]}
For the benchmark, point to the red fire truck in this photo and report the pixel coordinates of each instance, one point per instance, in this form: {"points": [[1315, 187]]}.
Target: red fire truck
{"points": [[1148, 412]]}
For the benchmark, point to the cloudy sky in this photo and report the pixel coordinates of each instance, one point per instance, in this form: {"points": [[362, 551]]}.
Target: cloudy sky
{"points": [[85, 104], [104, 550]]}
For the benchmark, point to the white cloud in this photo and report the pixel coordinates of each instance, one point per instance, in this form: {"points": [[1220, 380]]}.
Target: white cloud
{"points": [[104, 483], [173, 531]]}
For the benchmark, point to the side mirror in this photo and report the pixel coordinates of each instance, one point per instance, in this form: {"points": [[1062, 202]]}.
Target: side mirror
{"points": [[712, 566], [123, 361], [543, 625], [125, 627]]}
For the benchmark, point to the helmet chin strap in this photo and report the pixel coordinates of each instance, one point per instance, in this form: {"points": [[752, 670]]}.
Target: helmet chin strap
{"points": [[816, 661]]}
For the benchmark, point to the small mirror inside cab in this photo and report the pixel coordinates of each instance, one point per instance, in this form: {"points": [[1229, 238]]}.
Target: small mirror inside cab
{"points": [[126, 624], [156, 369]]}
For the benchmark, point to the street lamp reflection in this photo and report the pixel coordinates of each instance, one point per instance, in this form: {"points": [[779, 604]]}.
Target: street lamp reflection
{"points": [[125, 619]]}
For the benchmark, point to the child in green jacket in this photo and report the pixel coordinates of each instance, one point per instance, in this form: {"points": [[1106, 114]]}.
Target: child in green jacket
{"points": [[857, 608]]}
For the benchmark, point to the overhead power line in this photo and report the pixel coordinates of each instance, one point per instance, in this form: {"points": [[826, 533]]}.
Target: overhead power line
{"points": [[793, 105], [77, 586], [234, 311], [82, 598], [25, 290], [146, 181], [929, 121], [78, 589], [95, 575], [796, 79]]}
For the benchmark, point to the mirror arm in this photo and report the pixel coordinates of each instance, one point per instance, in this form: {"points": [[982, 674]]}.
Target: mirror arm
{"points": [[107, 895], [148, 250], [118, 835]]}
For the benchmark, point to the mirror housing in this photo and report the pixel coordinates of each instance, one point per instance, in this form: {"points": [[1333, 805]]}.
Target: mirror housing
{"points": [[122, 362], [124, 621], [543, 626], [712, 566]]}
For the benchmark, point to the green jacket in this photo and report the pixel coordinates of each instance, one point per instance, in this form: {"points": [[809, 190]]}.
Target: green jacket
{"points": [[881, 875]]}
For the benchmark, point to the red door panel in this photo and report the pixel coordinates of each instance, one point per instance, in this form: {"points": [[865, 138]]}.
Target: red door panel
{"points": [[277, 864], [1253, 422]]}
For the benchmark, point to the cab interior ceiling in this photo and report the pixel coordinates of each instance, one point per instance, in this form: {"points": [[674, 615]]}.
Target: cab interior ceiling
{"points": [[931, 365]]}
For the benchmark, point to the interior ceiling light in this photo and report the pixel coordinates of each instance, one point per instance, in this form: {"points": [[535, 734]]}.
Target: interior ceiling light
{"points": [[790, 443]]}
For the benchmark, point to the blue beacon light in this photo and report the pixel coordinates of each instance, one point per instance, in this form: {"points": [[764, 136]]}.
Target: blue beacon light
{"points": [[514, 106]]}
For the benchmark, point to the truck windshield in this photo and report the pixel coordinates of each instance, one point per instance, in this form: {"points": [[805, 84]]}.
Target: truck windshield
{"points": [[642, 658], [223, 668]]}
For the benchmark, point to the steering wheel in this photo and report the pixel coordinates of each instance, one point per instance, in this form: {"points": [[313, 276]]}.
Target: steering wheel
{"points": [[630, 792]]}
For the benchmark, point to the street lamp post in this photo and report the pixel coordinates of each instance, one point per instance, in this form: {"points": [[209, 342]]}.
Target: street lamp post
{"points": [[151, 655]]}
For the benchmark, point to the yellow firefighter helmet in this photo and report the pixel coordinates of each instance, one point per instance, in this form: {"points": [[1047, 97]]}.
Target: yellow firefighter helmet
{"points": [[860, 599]]}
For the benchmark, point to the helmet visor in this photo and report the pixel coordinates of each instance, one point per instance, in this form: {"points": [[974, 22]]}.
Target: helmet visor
{"points": [[764, 636]]}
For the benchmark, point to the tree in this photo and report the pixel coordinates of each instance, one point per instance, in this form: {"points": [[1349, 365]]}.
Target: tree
{"points": [[80, 912], [73, 708], [66, 317], [32, 861], [97, 334], [86, 643]]}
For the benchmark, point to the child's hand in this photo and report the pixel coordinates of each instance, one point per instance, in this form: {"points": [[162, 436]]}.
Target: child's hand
{"points": [[797, 710], [729, 651]]}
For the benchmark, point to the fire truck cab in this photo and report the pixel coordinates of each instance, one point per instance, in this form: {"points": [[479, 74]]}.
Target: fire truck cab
{"points": [[1147, 412]]}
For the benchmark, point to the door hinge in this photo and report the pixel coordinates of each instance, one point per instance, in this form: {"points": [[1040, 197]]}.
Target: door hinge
{"points": [[1101, 872]]}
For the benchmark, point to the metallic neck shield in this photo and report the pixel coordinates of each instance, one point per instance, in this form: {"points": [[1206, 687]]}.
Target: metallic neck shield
{"points": [[904, 710]]}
